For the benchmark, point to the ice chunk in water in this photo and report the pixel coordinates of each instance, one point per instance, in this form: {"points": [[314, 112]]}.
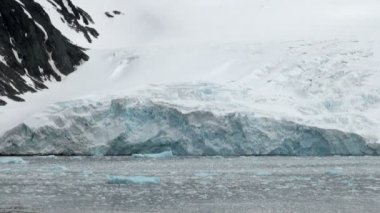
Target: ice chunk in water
{"points": [[337, 171], [12, 160], [87, 173], [113, 179], [57, 169], [166, 154], [204, 174], [263, 173]]}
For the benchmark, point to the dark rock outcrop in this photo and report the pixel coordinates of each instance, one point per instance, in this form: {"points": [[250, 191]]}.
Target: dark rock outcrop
{"points": [[73, 15], [109, 15], [113, 14], [32, 50]]}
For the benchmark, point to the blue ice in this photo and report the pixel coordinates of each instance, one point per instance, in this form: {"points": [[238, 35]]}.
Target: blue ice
{"points": [[337, 171], [263, 173], [11, 160], [114, 179], [166, 154], [57, 169]]}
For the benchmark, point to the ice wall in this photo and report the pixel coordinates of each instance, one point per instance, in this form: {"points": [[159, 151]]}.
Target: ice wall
{"points": [[127, 126]]}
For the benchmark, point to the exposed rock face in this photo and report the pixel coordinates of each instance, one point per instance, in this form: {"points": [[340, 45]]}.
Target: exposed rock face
{"points": [[73, 16], [113, 13], [129, 126], [32, 50]]}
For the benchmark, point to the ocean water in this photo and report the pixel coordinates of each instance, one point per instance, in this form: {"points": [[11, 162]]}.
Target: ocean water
{"points": [[202, 184]]}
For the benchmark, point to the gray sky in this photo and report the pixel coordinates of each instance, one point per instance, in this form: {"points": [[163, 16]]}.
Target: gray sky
{"points": [[160, 21]]}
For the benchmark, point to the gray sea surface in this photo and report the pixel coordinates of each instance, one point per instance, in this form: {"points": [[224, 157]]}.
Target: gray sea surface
{"points": [[195, 184]]}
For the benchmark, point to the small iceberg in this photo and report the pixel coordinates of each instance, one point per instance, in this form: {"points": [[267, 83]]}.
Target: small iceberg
{"points": [[204, 174], [263, 173], [49, 157], [12, 160], [87, 173], [337, 171], [166, 154], [56, 169], [112, 179]]}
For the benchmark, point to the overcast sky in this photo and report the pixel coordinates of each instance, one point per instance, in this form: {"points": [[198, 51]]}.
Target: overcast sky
{"points": [[159, 21]]}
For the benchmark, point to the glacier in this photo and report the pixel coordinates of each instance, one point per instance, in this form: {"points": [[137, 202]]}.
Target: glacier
{"points": [[128, 126], [170, 82], [287, 98]]}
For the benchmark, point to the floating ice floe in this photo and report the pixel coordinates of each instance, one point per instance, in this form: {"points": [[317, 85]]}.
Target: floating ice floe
{"points": [[263, 173], [11, 160], [166, 154], [113, 179], [337, 171], [50, 157], [87, 173], [57, 169], [204, 174]]}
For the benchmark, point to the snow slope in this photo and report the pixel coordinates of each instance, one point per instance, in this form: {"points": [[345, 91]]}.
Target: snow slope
{"points": [[205, 56], [147, 22]]}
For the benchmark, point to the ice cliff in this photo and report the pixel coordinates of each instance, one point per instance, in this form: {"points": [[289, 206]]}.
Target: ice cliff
{"points": [[126, 126]]}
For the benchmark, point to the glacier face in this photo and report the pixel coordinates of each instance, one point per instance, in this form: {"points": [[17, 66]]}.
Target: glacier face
{"points": [[296, 98], [126, 126]]}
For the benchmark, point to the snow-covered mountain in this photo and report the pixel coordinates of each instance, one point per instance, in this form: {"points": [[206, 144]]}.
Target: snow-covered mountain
{"points": [[208, 78], [32, 50]]}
